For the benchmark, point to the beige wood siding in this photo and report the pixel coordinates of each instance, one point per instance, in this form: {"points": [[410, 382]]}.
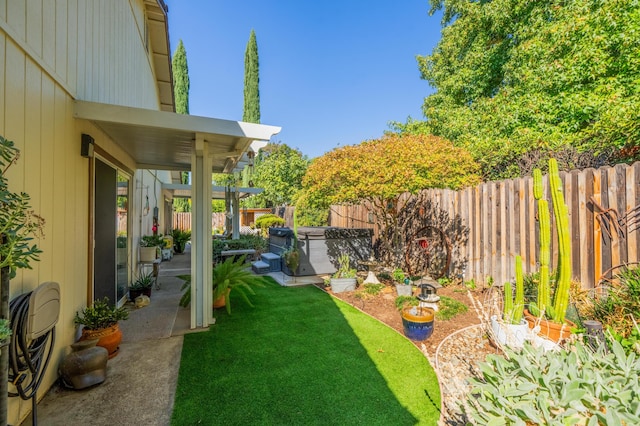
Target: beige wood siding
{"points": [[96, 50], [52, 52]]}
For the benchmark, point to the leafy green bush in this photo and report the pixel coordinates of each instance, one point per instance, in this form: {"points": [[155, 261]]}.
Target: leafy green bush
{"points": [[398, 276], [373, 289], [449, 308], [575, 385], [267, 221]]}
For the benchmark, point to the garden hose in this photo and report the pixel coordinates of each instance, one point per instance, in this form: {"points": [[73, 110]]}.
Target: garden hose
{"points": [[28, 359]]}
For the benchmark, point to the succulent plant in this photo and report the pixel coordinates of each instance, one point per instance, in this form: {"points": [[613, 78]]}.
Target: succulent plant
{"points": [[575, 385]]}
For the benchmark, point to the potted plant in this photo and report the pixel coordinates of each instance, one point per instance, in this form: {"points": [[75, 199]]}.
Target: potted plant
{"points": [[100, 322], [180, 239], [402, 282], [512, 330], [551, 317], [141, 285], [228, 276], [345, 278], [149, 247], [291, 258], [417, 321]]}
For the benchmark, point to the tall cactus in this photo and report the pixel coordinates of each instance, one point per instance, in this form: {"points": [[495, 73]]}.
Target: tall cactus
{"points": [[518, 306], [507, 313], [512, 312], [561, 297], [558, 310], [544, 291]]}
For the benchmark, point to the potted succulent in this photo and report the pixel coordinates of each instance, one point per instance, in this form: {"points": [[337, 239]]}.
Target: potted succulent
{"points": [[180, 239], [512, 330], [100, 322], [345, 278], [543, 315], [403, 283], [149, 247], [141, 285], [228, 276]]}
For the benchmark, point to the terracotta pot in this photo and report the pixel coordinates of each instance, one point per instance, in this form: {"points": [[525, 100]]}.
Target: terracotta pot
{"points": [[418, 325], [109, 338], [221, 301], [549, 329]]}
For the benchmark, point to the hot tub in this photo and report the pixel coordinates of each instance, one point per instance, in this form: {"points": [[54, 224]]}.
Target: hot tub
{"points": [[320, 247]]}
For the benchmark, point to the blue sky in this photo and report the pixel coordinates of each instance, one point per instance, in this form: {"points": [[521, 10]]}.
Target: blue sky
{"points": [[332, 73]]}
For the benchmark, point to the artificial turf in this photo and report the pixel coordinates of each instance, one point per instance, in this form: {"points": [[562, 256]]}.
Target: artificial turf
{"points": [[301, 357]]}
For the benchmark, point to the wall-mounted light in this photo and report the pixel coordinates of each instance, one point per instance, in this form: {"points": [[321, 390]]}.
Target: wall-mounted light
{"points": [[86, 146], [250, 155]]}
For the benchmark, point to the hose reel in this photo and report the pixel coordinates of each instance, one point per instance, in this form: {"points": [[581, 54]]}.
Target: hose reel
{"points": [[33, 319]]}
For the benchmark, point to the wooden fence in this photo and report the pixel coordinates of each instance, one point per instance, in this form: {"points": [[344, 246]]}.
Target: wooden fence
{"points": [[183, 221], [498, 220]]}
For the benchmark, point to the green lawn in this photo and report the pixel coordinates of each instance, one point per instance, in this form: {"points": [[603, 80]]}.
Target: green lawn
{"points": [[302, 357]]}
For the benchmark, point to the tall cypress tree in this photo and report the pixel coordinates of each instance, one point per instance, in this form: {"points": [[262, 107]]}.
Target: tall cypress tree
{"points": [[251, 113], [181, 94], [181, 79]]}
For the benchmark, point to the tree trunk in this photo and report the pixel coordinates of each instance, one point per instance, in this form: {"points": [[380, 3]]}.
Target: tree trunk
{"points": [[4, 352]]}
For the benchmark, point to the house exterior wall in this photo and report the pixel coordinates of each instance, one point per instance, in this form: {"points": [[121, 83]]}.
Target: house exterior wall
{"points": [[50, 54]]}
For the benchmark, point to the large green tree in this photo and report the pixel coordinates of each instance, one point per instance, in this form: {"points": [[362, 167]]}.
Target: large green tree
{"points": [[279, 170], [181, 87], [378, 172], [517, 76], [251, 112]]}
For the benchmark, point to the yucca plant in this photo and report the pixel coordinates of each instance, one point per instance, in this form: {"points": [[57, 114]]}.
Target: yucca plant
{"points": [[227, 277]]}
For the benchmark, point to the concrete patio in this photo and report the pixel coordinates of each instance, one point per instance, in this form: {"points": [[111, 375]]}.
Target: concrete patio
{"points": [[141, 379]]}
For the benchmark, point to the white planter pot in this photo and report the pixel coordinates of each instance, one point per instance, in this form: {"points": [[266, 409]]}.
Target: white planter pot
{"points": [[148, 254], [339, 285], [512, 335], [404, 290]]}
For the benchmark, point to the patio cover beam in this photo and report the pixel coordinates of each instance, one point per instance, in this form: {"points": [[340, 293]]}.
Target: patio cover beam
{"points": [[162, 140]]}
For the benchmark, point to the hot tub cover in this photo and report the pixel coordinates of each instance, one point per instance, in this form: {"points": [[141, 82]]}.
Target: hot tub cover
{"points": [[332, 232]]}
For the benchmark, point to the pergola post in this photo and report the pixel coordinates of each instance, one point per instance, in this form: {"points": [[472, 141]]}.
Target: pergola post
{"points": [[201, 267], [235, 209]]}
